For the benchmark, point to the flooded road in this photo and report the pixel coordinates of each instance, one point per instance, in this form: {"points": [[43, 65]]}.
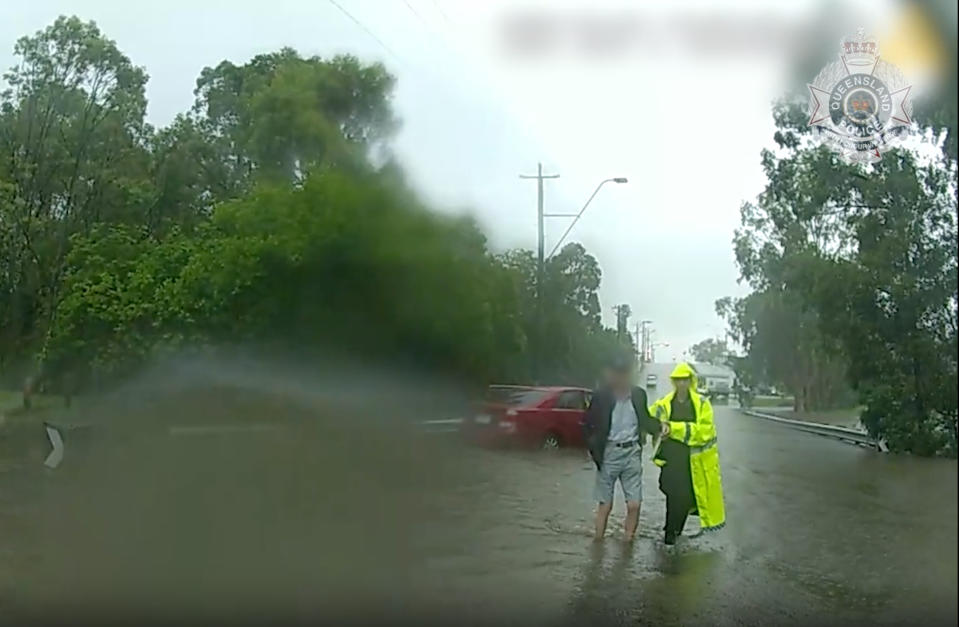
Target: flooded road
{"points": [[818, 532]]}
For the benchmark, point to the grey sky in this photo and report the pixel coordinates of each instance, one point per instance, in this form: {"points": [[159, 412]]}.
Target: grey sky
{"points": [[684, 125]]}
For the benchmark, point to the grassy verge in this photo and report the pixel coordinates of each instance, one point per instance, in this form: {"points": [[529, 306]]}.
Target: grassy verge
{"points": [[772, 401], [845, 417], [10, 400], [11, 404], [22, 441]]}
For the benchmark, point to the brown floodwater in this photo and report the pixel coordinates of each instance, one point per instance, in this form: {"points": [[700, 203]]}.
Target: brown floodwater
{"points": [[339, 509]]}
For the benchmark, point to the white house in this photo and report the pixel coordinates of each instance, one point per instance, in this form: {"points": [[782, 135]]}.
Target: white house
{"points": [[714, 380]]}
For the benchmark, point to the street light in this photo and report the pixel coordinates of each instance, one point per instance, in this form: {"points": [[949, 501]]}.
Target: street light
{"points": [[576, 216], [653, 347], [541, 257]]}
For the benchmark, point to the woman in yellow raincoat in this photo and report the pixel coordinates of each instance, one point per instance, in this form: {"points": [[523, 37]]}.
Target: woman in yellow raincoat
{"points": [[688, 456]]}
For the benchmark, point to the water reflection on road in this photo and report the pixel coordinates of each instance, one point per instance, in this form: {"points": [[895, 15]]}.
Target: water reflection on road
{"points": [[817, 531]]}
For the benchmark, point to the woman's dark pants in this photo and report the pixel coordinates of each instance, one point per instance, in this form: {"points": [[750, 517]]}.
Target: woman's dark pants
{"points": [[676, 482]]}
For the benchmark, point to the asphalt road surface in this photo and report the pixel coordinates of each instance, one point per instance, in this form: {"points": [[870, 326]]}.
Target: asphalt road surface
{"points": [[819, 532]]}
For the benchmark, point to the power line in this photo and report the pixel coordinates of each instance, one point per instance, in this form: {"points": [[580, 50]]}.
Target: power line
{"points": [[419, 16], [433, 32], [414, 11], [440, 9], [365, 29]]}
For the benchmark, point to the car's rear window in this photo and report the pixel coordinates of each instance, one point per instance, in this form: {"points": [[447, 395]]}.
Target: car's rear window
{"points": [[514, 396]]}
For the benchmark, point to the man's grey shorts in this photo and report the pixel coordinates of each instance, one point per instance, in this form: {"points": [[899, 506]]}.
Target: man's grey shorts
{"points": [[624, 465]]}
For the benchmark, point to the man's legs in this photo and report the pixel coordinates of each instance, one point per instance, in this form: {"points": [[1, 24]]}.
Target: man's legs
{"points": [[632, 481], [603, 495], [632, 519], [602, 517]]}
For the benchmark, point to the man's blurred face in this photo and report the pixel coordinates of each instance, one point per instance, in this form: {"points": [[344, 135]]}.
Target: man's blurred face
{"points": [[682, 385], [618, 378]]}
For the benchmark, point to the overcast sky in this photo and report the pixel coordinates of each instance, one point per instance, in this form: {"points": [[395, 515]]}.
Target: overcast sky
{"points": [[677, 100]]}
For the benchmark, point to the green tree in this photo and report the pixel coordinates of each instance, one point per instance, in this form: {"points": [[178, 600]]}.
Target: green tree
{"points": [[857, 266], [785, 349], [573, 341], [892, 300], [710, 351], [280, 115], [271, 215], [341, 263], [73, 152]]}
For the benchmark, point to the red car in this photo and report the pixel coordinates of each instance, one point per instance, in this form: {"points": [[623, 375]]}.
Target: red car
{"points": [[545, 417]]}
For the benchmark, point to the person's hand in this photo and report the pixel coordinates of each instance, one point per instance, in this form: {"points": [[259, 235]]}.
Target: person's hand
{"points": [[664, 429]]}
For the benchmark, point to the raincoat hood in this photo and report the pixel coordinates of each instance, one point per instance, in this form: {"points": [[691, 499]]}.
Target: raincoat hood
{"points": [[685, 371]]}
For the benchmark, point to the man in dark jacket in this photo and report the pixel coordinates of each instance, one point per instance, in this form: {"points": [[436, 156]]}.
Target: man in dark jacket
{"points": [[616, 425]]}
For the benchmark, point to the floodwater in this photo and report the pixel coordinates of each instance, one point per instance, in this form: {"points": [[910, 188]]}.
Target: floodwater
{"points": [[346, 517]]}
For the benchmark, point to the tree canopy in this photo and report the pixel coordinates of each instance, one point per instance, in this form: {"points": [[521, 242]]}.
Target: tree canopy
{"points": [[854, 278], [269, 215], [710, 351]]}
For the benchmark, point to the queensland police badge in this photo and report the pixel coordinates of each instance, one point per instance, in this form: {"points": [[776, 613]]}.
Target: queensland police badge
{"points": [[860, 104]]}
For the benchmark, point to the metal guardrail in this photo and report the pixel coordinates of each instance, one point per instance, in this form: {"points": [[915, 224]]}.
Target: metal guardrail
{"points": [[845, 434]]}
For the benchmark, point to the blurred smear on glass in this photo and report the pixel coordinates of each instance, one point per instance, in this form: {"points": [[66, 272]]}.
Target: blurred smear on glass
{"points": [[799, 37], [592, 34], [917, 41], [605, 33], [171, 505]]}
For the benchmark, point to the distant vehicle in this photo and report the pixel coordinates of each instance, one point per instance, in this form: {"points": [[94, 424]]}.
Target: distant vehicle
{"points": [[543, 417], [718, 388]]}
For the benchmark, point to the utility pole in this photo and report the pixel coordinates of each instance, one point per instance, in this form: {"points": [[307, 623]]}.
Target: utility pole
{"points": [[540, 259], [643, 330], [541, 256], [645, 338], [648, 339], [541, 243], [623, 312]]}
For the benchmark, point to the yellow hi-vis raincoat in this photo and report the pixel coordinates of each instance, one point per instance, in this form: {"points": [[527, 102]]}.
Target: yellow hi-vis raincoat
{"points": [[700, 436]]}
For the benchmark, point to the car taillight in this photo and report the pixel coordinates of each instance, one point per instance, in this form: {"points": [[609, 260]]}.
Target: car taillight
{"points": [[508, 423]]}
